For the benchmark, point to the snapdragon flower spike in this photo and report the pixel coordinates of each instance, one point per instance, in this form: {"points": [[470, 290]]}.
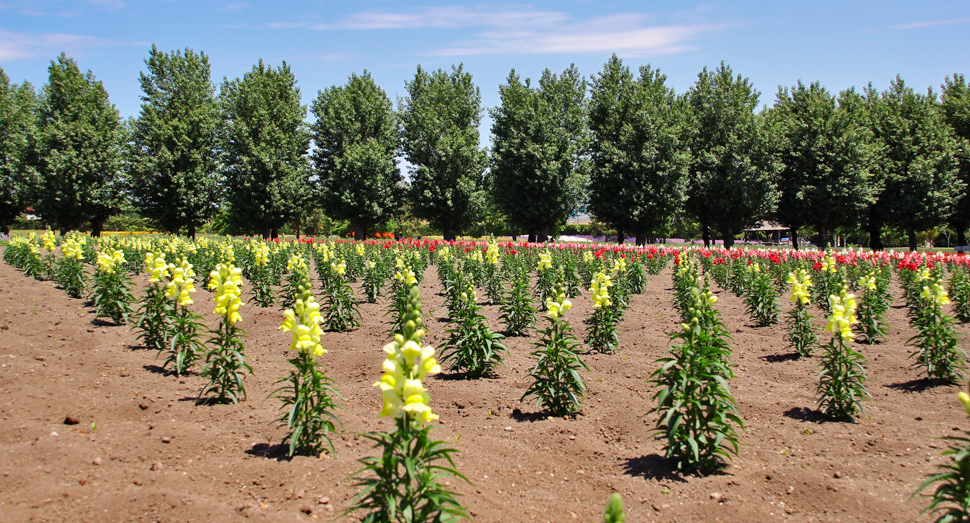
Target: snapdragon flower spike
{"points": [[304, 320], [72, 250], [800, 282], [108, 263], [156, 266], [600, 290], [557, 307], [49, 240], [491, 254], [619, 266], [260, 253], [935, 294], [182, 282], [545, 262], [226, 280], [339, 268], [843, 316], [407, 363]]}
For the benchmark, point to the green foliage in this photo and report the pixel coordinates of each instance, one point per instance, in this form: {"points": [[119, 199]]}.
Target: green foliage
{"points": [[938, 354], [540, 136], [173, 161], [342, 306], [309, 393], [874, 305], [111, 296], [18, 178], [357, 137], [557, 385], [960, 294], [697, 413], [79, 150], [614, 509], [226, 365], [71, 276], [403, 485], [841, 388], [263, 142], [517, 311], [183, 340], [951, 497], [639, 159], [155, 315], [471, 346], [732, 175], [440, 116], [761, 297]]}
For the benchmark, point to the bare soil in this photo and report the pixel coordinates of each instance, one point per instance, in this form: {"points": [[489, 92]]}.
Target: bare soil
{"points": [[144, 449]]}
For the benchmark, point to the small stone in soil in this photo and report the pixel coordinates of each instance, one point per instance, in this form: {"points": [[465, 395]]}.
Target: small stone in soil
{"points": [[717, 497], [156, 466], [71, 420]]}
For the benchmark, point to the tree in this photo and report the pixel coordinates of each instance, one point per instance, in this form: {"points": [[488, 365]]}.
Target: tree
{"points": [[918, 158], [540, 139], [357, 137], [17, 124], [956, 112], [732, 175], [264, 142], [440, 117], [173, 163], [640, 162], [80, 142], [828, 159]]}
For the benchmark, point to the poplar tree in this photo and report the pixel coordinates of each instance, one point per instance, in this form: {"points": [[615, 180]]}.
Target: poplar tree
{"points": [[79, 147], [440, 117], [540, 141], [639, 158], [828, 155], [18, 176], [918, 158], [956, 112], [357, 137], [264, 142], [174, 158], [732, 173]]}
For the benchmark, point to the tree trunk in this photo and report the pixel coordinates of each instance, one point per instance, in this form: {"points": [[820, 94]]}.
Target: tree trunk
{"points": [[961, 236], [823, 234], [620, 237], [543, 235], [912, 239], [875, 239], [449, 234], [728, 238], [794, 237], [706, 235], [360, 233], [274, 233], [265, 233], [192, 231], [532, 236], [4, 229], [641, 237]]}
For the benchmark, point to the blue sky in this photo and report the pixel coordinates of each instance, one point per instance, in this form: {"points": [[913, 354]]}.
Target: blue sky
{"points": [[842, 44]]}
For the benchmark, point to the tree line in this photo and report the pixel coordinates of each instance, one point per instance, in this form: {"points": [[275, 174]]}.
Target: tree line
{"points": [[620, 144]]}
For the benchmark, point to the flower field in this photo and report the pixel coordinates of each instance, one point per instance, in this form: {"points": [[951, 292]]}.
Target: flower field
{"points": [[171, 390]]}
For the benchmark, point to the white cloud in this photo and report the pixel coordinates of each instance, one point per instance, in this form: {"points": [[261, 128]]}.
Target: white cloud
{"points": [[932, 23], [451, 17], [527, 30], [19, 46]]}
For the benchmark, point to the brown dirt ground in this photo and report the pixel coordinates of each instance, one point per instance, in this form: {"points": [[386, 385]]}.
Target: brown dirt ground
{"points": [[155, 455]]}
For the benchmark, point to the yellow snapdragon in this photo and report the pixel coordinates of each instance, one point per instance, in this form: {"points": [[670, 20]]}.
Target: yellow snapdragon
{"points": [[107, 264], [359, 248], [545, 262], [800, 282], [491, 254], [600, 290], [935, 294], [339, 268], [226, 280], [155, 264], [304, 320], [619, 266], [843, 316], [557, 307], [260, 254], [49, 240], [182, 282], [406, 365], [72, 250]]}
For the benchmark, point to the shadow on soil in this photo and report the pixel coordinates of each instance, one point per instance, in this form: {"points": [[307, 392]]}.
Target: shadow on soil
{"points": [[269, 451], [778, 358], [918, 385], [652, 466], [803, 414]]}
